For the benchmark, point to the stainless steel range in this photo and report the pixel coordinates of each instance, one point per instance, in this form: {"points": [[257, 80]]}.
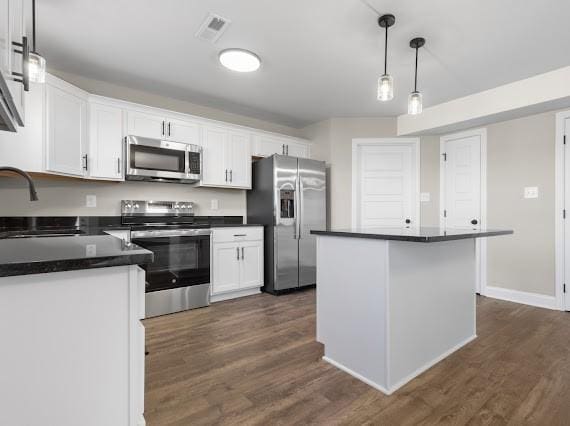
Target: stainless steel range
{"points": [[179, 277]]}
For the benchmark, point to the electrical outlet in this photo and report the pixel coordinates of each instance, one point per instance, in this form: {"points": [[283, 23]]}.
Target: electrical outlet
{"points": [[91, 250], [214, 204], [425, 197], [91, 201], [531, 192]]}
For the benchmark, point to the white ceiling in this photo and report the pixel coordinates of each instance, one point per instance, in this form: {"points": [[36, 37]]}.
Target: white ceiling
{"points": [[320, 58]]}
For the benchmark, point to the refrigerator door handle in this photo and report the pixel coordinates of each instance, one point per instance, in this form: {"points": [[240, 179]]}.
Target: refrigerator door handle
{"points": [[299, 198]]}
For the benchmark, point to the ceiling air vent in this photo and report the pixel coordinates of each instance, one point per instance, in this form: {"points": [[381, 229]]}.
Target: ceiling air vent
{"points": [[212, 28]]}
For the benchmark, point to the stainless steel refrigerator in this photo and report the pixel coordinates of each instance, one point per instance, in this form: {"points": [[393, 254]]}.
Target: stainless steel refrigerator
{"points": [[289, 199]]}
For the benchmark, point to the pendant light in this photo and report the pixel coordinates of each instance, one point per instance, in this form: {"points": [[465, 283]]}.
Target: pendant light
{"points": [[36, 62], [415, 98], [386, 82]]}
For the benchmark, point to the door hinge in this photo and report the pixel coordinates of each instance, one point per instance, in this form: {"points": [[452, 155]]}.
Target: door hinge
{"points": [[445, 213], [444, 156]]}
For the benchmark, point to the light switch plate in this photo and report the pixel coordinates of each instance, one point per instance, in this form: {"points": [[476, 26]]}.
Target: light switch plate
{"points": [[531, 192], [214, 204], [91, 201], [425, 197]]}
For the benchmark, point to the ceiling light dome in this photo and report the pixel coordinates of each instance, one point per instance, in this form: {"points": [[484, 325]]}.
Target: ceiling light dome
{"points": [[239, 60]]}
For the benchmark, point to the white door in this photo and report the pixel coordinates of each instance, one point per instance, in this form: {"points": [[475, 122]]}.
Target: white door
{"points": [[462, 185], [183, 131], [146, 125], [462, 171], [66, 132], [251, 258], [106, 142], [567, 209], [386, 183], [226, 266], [215, 172], [238, 153]]}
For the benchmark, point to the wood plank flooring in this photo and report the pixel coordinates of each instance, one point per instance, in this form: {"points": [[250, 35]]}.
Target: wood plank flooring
{"points": [[254, 361]]}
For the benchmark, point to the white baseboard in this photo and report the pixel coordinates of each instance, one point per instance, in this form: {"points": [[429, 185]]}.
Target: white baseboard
{"points": [[234, 294], [358, 376], [532, 299], [406, 379], [430, 364]]}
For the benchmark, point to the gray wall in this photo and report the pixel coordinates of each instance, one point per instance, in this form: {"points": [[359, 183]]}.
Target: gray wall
{"points": [[520, 153], [67, 197]]}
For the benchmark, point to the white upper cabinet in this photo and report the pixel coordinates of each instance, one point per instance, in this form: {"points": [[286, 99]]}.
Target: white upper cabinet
{"points": [[238, 159], [213, 157], [145, 125], [226, 157], [266, 145], [5, 38], [105, 142], [66, 132], [183, 131]]}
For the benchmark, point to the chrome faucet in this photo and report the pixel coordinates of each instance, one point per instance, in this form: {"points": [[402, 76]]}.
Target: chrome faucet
{"points": [[31, 186]]}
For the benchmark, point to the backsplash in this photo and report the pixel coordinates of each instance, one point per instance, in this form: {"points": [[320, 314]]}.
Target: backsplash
{"points": [[68, 197]]}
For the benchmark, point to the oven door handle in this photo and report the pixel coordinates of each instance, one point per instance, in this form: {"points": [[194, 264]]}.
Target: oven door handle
{"points": [[140, 235]]}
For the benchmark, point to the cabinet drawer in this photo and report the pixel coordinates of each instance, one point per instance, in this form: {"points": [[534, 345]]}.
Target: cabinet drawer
{"points": [[243, 233]]}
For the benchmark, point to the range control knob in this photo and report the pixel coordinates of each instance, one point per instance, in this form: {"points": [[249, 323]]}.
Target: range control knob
{"points": [[176, 206], [183, 206], [136, 206], [128, 205]]}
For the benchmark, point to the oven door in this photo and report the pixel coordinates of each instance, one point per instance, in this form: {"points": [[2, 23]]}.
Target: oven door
{"points": [[181, 258], [156, 159]]}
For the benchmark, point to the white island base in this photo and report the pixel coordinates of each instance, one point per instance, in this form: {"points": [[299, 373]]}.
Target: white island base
{"points": [[389, 310]]}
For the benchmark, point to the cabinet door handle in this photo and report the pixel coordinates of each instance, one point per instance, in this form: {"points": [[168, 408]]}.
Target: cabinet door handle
{"points": [[85, 162], [226, 175], [231, 175], [237, 252], [240, 235], [283, 149], [169, 128], [287, 148], [118, 165], [242, 256], [163, 128], [24, 76]]}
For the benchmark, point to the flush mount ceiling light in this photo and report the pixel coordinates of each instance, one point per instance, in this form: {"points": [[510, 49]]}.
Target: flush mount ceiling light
{"points": [[386, 82], [415, 98], [239, 60]]}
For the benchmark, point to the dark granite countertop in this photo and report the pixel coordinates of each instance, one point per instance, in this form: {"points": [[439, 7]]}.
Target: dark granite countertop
{"points": [[419, 235], [25, 256], [235, 225]]}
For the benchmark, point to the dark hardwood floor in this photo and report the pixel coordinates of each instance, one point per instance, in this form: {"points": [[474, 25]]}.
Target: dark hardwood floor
{"points": [[255, 361]]}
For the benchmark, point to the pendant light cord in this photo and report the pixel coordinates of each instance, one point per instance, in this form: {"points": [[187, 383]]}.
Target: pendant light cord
{"points": [[385, 51], [416, 75], [34, 26]]}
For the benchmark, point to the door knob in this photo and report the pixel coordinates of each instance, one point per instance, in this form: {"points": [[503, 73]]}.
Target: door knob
{"points": [[408, 221], [474, 222]]}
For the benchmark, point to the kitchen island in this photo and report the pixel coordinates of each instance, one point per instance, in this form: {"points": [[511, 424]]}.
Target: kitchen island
{"points": [[392, 302], [72, 341]]}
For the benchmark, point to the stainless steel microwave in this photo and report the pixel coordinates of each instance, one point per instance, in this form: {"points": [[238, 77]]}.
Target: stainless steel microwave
{"points": [[160, 160]]}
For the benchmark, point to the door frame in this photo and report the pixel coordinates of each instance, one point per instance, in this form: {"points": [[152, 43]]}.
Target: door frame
{"points": [[357, 143], [481, 260], [559, 206]]}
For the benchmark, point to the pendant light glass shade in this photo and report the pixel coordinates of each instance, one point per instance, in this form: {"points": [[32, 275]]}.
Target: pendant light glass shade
{"points": [[37, 68], [415, 103], [385, 88]]}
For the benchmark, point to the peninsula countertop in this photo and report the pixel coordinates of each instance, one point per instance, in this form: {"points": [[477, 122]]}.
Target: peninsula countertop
{"points": [[413, 234], [26, 256]]}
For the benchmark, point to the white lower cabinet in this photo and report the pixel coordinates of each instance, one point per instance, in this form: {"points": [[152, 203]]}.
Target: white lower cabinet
{"points": [[237, 262]]}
